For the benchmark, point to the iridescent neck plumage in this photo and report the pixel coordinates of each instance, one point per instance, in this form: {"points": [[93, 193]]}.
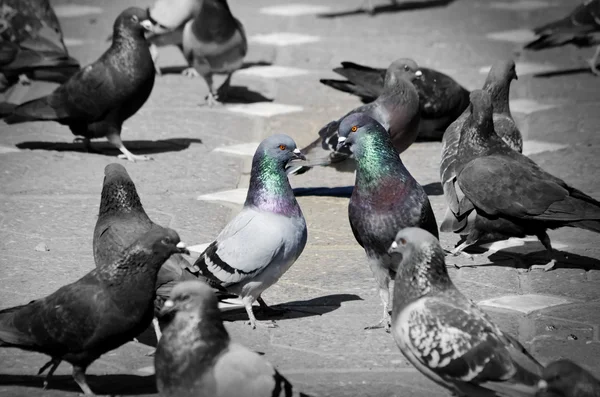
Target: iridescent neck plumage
{"points": [[120, 197], [270, 189], [376, 158]]}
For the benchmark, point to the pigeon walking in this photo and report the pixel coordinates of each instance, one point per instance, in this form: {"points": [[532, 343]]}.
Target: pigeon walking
{"points": [[564, 378], [103, 310], [396, 109], [441, 98], [509, 193], [445, 335], [96, 101], [196, 356], [261, 243], [497, 84], [580, 28], [385, 198]]}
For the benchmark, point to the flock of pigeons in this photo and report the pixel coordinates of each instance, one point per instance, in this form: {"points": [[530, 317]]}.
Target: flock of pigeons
{"points": [[493, 192]]}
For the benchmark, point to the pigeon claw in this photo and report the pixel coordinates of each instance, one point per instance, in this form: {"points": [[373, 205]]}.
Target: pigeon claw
{"points": [[266, 324], [547, 267], [190, 72], [134, 157]]}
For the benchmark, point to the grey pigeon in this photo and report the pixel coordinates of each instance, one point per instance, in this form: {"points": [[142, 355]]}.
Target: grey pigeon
{"points": [[564, 378], [581, 28], [196, 356], [261, 243], [103, 310], [510, 194], [96, 101], [396, 109], [445, 335], [497, 84], [441, 98], [385, 198]]}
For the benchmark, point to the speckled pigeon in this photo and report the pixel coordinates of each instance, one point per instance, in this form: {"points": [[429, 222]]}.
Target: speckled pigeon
{"points": [[101, 311], [196, 356], [445, 335], [564, 378], [396, 109], [261, 243], [385, 198], [506, 187], [581, 28], [96, 101], [441, 98]]}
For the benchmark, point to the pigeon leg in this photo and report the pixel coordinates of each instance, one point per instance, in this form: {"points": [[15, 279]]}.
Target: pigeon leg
{"points": [[55, 362], [386, 320], [224, 88], [154, 54], [115, 139], [545, 240], [87, 144], [157, 330], [212, 97], [79, 377], [252, 321], [593, 62]]}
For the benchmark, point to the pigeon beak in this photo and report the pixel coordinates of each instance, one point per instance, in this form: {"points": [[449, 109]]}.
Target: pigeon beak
{"points": [[167, 308], [109, 38], [341, 142], [418, 73], [393, 247], [298, 154], [182, 248], [147, 24], [542, 385]]}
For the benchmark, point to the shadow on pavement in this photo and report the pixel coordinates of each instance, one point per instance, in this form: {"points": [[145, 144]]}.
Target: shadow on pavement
{"points": [[564, 72], [239, 94], [128, 385], [401, 6], [136, 147], [340, 191]]}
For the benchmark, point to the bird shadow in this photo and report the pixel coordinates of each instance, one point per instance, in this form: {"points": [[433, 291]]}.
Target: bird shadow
{"points": [[105, 148], [178, 69], [121, 384], [239, 94], [564, 72], [296, 309], [389, 8], [434, 189], [340, 191]]}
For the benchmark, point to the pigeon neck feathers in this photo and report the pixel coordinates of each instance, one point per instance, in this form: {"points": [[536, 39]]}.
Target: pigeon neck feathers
{"points": [[499, 91], [269, 188], [376, 160], [215, 22], [134, 262], [119, 196]]}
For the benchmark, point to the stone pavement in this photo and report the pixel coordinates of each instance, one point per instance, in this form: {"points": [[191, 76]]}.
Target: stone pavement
{"points": [[50, 189]]}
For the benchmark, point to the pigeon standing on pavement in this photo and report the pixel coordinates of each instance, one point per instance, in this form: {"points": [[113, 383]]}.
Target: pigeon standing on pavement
{"points": [[441, 98], [509, 193], [564, 378], [96, 101], [261, 243], [581, 28], [396, 109], [196, 356], [385, 198], [445, 335], [103, 310], [497, 84]]}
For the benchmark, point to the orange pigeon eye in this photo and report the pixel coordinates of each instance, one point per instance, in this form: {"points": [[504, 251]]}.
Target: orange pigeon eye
{"points": [[282, 147], [354, 128], [402, 241]]}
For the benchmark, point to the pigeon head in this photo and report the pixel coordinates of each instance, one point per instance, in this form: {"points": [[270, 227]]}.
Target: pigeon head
{"points": [[403, 68], [191, 296], [358, 132], [133, 22], [498, 82], [279, 147], [164, 242], [561, 377], [118, 192], [419, 262]]}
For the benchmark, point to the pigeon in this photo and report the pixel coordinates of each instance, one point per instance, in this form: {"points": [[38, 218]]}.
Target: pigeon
{"points": [[214, 42], [262, 241], [396, 108], [31, 45], [445, 335], [497, 85], [441, 98], [97, 100], [196, 356], [564, 378], [510, 190], [581, 28], [103, 310], [385, 198]]}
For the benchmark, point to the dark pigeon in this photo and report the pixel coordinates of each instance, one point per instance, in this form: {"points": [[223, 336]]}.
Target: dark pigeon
{"points": [[580, 28], [196, 356], [441, 98], [506, 187], [385, 198], [103, 310], [396, 109], [497, 84], [96, 101], [445, 335], [266, 237], [564, 378]]}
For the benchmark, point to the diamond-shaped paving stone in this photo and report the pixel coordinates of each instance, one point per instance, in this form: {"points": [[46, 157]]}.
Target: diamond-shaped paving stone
{"points": [[237, 196], [272, 72], [533, 147], [265, 109], [75, 10], [291, 10], [528, 106], [520, 245], [243, 149], [284, 38], [513, 36], [522, 5], [524, 303], [524, 68]]}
